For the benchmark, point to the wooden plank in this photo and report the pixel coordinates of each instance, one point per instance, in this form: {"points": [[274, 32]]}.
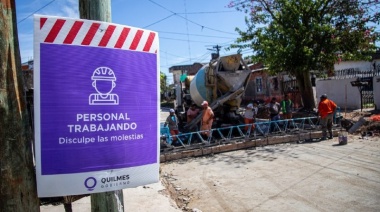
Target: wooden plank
{"points": [[304, 136]]}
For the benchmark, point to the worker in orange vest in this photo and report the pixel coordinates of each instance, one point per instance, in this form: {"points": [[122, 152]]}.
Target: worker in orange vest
{"points": [[326, 110]]}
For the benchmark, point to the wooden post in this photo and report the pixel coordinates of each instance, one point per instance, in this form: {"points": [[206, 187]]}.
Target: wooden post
{"points": [[95, 10], [18, 190], [101, 10]]}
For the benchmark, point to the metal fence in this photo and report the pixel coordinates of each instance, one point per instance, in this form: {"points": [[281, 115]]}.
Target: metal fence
{"points": [[230, 133], [366, 90], [355, 72]]}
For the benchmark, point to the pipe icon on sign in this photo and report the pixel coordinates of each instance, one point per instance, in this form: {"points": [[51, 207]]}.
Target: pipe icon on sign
{"points": [[104, 81]]}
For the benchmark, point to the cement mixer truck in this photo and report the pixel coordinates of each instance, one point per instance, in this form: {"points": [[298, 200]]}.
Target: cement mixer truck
{"points": [[222, 83]]}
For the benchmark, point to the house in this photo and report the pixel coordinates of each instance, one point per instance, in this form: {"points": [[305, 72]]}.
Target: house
{"points": [[182, 76], [263, 87], [180, 70], [27, 72], [343, 90]]}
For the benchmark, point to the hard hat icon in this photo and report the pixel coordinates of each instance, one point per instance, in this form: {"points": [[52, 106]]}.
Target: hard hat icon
{"points": [[103, 73], [104, 82]]}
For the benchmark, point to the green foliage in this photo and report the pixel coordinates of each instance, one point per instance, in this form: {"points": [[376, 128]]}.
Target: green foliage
{"points": [[163, 86], [167, 104], [303, 35], [298, 36]]}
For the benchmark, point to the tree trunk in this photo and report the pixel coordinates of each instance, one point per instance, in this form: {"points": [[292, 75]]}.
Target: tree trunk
{"points": [[17, 177], [68, 207], [101, 10], [306, 89]]}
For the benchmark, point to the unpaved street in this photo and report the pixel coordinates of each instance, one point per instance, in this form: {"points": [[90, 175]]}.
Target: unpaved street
{"points": [[314, 176]]}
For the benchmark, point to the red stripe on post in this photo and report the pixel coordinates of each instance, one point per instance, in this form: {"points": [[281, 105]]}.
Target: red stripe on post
{"points": [[90, 34], [73, 32], [107, 35], [122, 37], [149, 42], [136, 40], [54, 31], [42, 22]]}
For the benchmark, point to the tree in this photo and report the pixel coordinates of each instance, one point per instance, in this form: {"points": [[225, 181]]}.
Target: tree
{"points": [[162, 82], [298, 36], [18, 190]]}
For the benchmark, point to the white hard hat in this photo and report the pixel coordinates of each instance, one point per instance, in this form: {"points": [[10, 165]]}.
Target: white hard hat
{"points": [[171, 110], [103, 73]]}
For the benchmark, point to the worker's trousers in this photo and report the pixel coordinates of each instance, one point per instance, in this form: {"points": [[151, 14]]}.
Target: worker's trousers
{"points": [[326, 123]]}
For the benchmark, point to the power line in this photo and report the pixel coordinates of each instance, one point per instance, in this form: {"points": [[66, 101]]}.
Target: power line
{"points": [[172, 54], [208, 12], [200, 58], [178, 33], [203, 57], [187, 30], [159, 21], [185, 40], [35, 11], [203, 27]]}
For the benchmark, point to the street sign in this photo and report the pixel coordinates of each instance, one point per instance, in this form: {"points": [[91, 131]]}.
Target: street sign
{"points": [[96, 106]]}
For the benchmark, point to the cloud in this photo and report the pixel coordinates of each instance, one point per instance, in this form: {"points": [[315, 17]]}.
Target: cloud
{"points": [[70, 9], [26, 55], [26, 46], [63, 9], [70, 12]]}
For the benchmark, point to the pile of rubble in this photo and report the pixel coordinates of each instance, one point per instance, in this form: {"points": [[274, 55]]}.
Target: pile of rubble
{"points": [[365, 123]]}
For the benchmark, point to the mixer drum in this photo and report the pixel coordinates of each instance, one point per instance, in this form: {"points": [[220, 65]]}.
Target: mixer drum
{"points": [[198, 86]]}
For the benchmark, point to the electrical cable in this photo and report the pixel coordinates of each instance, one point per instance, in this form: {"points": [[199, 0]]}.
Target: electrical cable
{"points": [[159, 21], [187, 30], [178, 33], [184, 40], [208, 12], [203, 27], [35, 11]]}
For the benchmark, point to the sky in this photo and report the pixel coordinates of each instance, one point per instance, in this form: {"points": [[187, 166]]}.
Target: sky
{"points": [[188, 29]]}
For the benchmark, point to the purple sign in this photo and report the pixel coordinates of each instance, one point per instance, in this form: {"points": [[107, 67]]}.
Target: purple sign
{"points": [[98, 108]]}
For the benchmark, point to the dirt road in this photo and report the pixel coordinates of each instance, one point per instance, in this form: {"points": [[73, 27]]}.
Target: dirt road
{"points": [[319, 176], [315, 176]]}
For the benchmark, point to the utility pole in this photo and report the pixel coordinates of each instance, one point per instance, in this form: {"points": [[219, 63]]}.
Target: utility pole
{"points": [[18, 190], [217, 47], [100, 10], [215, 56]]}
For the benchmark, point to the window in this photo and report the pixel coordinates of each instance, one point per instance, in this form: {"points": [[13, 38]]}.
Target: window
{"points": [[275, 83], [259, 84]]}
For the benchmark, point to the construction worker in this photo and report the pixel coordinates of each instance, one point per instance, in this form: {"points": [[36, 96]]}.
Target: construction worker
{"points": [[207, 119], [274, 113], [249, 117], [286, 107], [192, 113], [274, 109], [326, 110], [172, 121]]}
